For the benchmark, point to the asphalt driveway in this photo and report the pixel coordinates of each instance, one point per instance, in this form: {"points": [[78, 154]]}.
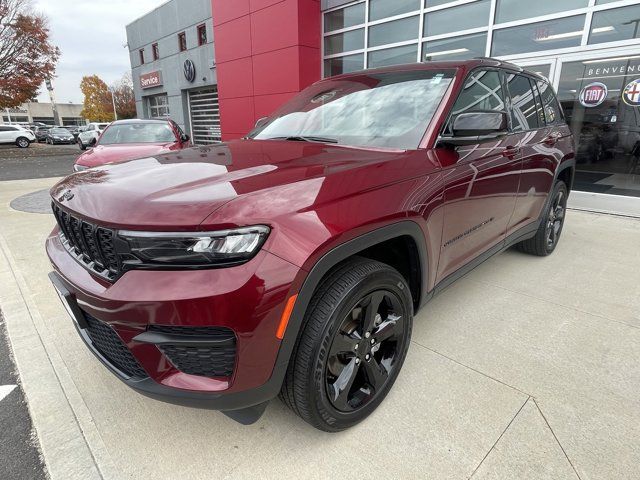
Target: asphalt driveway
{"points": [[525, 368]]}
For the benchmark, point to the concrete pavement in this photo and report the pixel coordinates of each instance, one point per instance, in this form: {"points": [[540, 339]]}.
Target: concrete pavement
{"points": [[526, 368]]}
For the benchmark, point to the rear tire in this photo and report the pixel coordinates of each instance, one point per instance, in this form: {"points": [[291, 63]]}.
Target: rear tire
{"points": [[81, 145], [22, 142], [351, 347], [548, 235]]}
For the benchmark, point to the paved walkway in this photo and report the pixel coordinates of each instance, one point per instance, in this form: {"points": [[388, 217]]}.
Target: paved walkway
{"points": [[526, 368]]}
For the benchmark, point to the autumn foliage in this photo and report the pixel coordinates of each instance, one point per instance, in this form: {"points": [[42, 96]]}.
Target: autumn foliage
{"points": [[125, 100], [97, 100], [27, 57]]}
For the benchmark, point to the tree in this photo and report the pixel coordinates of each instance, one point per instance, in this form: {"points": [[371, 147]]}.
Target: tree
{"points": [[124, 98], [27, 58], [97, 99]]}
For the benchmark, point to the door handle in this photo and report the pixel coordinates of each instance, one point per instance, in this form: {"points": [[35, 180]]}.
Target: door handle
{"points": [[510, 152], [552, 139]]}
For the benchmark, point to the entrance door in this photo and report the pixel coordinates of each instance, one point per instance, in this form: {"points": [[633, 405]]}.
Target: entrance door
{"points": [[204, 115]]}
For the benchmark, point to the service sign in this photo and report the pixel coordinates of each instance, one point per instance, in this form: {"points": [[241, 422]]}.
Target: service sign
{"points": [[593, 94], [151, 79]]}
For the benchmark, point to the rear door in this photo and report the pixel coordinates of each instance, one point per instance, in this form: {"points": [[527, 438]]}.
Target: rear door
{"points": [[481, 180], [6, 134]]}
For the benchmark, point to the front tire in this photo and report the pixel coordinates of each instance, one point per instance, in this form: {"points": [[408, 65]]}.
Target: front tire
{"points": [[548, 235], [22, 142], [352, 345]]}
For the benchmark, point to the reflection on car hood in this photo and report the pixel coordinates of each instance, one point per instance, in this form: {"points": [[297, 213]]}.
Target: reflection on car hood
{"points": [[101, 154]]}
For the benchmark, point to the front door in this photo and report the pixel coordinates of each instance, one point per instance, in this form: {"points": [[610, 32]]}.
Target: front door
{"points": [[481, 180]]}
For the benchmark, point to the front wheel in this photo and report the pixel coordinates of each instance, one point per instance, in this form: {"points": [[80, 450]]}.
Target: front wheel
{"points": [[81, 145], [548, 235], [353, 343], [22, 142]]}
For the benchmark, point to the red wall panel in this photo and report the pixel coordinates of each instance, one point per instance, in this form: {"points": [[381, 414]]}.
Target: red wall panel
{"points": [[266, 51]]}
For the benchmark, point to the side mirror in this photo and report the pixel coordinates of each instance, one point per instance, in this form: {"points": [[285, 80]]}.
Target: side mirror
{"points": [[261, 122], [184, 138], [473, 127]]}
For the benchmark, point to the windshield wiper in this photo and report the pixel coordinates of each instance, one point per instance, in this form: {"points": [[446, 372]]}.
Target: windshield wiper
{"points": [[300, 138]]}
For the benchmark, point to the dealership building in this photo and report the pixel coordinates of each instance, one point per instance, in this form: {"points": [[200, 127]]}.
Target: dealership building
{"points": [[69, 114], [268, 50]]}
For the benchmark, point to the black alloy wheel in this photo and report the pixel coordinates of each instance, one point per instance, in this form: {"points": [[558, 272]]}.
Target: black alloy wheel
{"points": [[555, 219], [364, 351]]}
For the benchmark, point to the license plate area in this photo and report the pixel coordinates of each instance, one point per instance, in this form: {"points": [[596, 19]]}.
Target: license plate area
{"points": [[68, 300]]}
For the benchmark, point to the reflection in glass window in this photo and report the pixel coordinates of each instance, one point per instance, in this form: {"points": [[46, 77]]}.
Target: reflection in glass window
{"points": [[346, 17], [523, 106], [602, 2], [392, 32], [482, 91], [549, 35], [550, 105], [543, 69], [435, 3], [344, 42], [376, 110], [615, 24], [472, 15], [393, 56], [379, 9], [350, 63], [456, 48], [509, 10]]}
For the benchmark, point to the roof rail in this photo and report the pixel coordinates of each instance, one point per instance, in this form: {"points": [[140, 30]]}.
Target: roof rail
{"points": [[502, 62]]}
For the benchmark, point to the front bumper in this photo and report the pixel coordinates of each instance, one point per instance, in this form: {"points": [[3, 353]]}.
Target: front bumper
{"points": [[248, 299]]}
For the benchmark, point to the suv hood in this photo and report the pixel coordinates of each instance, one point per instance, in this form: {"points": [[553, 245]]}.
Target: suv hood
{"points": [[181, 189], [101, 154]]}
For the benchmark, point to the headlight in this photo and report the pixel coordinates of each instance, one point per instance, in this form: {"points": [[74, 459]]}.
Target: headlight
{"points": [[221, 248]]}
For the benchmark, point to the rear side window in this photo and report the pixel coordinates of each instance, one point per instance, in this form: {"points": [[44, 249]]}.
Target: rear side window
{"points": [[524, 115], [550, 106]]}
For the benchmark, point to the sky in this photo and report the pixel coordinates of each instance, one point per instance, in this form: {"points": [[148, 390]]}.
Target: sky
{"points": [[91, 35]]}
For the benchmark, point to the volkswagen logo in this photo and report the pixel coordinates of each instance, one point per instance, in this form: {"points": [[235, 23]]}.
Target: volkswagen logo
{"points": [[189, 70], [68, 195]]}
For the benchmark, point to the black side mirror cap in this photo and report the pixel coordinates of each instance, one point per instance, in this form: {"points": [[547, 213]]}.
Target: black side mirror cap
{"points": [[475, 127], [184, 137]]}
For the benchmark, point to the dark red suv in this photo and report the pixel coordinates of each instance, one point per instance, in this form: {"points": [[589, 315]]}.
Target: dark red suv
{"points": [[293, 261]]}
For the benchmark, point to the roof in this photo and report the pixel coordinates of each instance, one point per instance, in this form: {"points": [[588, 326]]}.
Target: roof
{"points": [[138, 120]]}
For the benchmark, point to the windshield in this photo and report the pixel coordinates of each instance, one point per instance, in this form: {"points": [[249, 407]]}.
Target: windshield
{"points": [[138, 133], [59, 130], [377, 110]]}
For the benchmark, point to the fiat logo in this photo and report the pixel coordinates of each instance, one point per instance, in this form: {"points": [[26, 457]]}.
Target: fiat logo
{"points": [[593, 94]]}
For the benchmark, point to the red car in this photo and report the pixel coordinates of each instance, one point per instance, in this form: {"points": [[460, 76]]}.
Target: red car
{"points": [[292, 262], [128, 139]]}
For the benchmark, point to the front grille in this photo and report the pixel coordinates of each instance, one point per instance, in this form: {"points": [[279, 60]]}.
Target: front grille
{"points": [[108, 343], [89, 244], [204, 360]]}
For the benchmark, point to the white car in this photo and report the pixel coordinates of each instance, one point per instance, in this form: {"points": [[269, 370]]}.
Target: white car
{"points": [[89, 137], [17, 135]]}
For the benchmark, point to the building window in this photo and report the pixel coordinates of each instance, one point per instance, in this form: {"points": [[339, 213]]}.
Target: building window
{"points": [[141, 52], [455, 48], [464, 17], [346, 17], [156, 52], [182, 41], [393, 56], [509, 10], [379, 9], [394, 32], [344, 42], [202, 34], [616, 24], [159, 106], [347, 64]]}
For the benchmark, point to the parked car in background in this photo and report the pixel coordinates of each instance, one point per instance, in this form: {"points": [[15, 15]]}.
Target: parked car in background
{"points": [[127, 139], [90, 135], [17, 135], [58, 135], [76, 130], [292, 261], [41, 132]]}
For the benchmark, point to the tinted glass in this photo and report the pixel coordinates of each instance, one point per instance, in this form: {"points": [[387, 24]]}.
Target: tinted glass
{"points": [[602, 2], [350, 63], [137, 133], [616, 24], [562, 33], [481, 91], [344, 42], [524, 115], [539, 110], [393, 56], [472, 15], [374, 110], [59, 130], [435, 3], [347, 17], [456, 48], [508, 10], [550, 106], [395, 31], [379, 9]]}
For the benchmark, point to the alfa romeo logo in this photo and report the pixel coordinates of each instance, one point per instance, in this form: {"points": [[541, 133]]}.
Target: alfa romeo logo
{"points": [[631, 93], [593, 94], [189, 70]]}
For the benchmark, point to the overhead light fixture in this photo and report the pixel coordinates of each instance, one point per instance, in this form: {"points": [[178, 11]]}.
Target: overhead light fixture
{"points": [[560, 36], [613, 59], [602, 29], [446, 52]]}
